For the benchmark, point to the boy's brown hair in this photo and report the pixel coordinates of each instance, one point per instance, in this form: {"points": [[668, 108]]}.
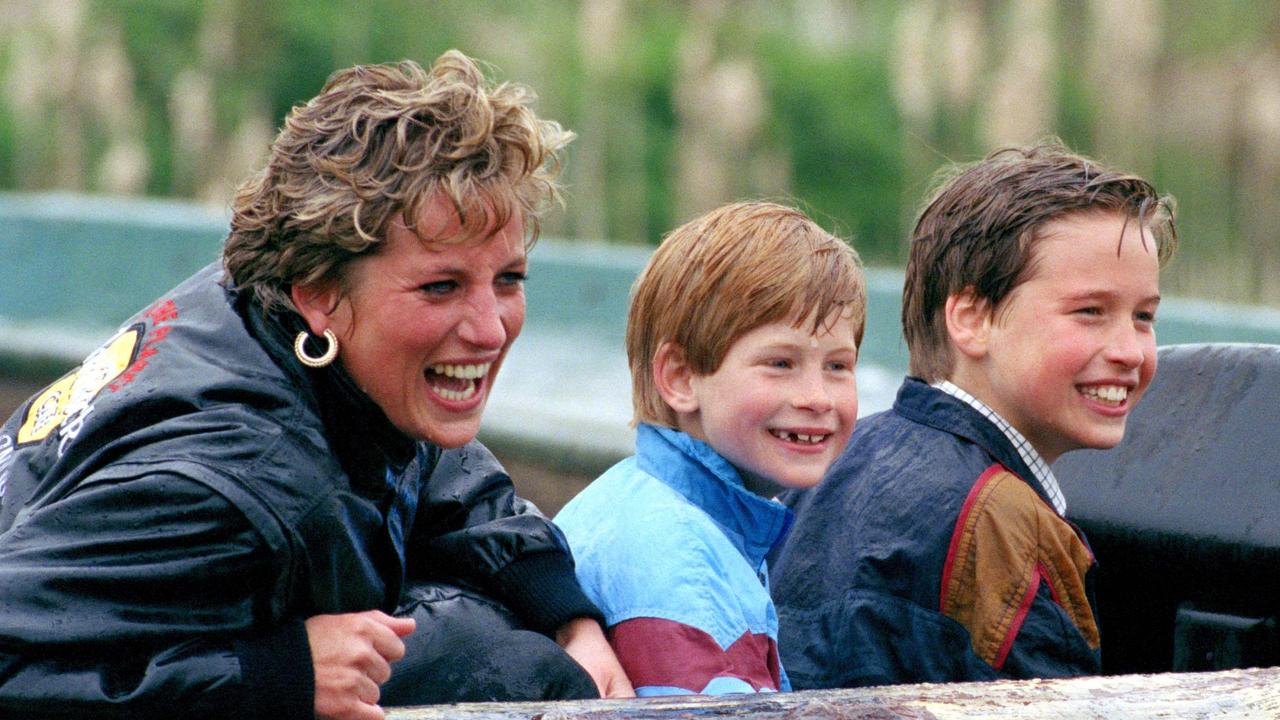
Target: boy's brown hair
{"points": [[722, 275], [981, 227]]}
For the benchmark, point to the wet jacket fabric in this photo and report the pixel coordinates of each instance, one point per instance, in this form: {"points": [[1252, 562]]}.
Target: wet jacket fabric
{"points": [[174, 509], [925, 556], [671, 546]]}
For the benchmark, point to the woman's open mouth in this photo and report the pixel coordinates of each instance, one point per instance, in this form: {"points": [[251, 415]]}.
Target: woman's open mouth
{"points": [[456, 382]]}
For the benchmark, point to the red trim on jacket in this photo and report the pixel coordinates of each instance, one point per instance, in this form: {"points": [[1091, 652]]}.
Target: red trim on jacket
{"points": [[664, 653], [1037, 575]]}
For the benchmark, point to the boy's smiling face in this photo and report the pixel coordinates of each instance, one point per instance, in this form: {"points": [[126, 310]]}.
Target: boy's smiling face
{"points": [[782, 404], [1069, 352]]}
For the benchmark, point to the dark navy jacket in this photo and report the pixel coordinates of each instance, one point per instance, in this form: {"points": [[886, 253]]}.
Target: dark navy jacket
{"points": [[924, 556], [175, 508]]}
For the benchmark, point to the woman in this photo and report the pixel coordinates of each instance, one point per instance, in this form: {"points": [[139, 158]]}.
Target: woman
{"points": [[265, 490]]}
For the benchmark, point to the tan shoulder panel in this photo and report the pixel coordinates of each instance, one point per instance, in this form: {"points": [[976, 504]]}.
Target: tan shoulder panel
{"points": [[1007, 541]]}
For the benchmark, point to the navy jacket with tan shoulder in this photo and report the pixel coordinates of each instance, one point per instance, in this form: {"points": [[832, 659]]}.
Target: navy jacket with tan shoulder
{"points": [[924, 556], [174, 509]]}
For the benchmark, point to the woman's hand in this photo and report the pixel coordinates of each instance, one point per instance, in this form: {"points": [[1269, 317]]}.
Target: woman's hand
{"points": [[352, 655], [584, 641]]}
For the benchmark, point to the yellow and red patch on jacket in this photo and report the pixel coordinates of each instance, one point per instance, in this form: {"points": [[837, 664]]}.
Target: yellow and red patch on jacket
{"points": [[1007, 542], [70, 396]]}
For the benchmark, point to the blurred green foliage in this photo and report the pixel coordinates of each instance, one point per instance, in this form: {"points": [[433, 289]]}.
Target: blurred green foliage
{"points": [[838, 135]]}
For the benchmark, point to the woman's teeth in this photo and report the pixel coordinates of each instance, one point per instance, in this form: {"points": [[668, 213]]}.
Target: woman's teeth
{"points": [[456, 382], [463, 394], [467, 372]]}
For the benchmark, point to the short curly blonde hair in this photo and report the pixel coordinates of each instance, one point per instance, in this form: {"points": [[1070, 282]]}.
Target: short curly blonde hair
{"points": [[382, 140]]}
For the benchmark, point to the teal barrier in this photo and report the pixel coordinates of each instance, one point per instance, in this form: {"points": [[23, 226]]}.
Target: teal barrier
{"points": [[89, 262], [72, 267]]}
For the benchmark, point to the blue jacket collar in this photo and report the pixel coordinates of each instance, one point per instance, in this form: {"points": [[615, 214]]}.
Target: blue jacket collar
{"points": [[694, 469]]}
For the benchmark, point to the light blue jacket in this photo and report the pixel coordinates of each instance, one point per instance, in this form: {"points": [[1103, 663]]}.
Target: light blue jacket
{"points": [[671, 546]]}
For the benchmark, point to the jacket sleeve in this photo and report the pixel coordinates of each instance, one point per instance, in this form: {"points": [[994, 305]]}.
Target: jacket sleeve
{"points": [[470, 526], [1015, 578], [134, 597]]}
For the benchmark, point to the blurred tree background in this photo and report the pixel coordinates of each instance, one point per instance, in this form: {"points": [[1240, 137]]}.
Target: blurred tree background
{"points": [[847, 107]]}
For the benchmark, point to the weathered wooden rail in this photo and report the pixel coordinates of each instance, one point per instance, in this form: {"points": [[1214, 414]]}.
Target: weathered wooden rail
{"points": [[1250, 694]]}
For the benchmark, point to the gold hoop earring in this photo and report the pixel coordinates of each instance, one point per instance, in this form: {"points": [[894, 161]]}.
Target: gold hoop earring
{"points": [[300, 350]]}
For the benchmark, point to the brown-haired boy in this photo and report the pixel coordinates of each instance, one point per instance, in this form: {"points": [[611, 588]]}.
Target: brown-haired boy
{"points": [[936, 548], [742, 338]]}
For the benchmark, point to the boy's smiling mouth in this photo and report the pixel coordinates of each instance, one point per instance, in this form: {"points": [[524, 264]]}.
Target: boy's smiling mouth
{"points": [[1112, 395], [456, 382], [802, 438]]}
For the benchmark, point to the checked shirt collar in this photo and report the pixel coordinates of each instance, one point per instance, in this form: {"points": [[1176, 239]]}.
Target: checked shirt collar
{"points": [[1039, 467]]}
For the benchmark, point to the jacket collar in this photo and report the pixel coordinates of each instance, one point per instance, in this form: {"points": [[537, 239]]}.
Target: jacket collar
{"points": [[694, 469], [920, 402]]}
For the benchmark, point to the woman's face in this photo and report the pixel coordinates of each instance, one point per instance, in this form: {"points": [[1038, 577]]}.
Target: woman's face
{"points": [[423, 325]]}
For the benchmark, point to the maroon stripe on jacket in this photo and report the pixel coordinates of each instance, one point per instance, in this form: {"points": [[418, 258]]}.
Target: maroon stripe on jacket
{"points": [[665, 653]]}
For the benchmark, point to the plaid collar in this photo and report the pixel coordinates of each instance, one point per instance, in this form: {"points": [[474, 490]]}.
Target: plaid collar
{"points": [[1039, 467]]}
